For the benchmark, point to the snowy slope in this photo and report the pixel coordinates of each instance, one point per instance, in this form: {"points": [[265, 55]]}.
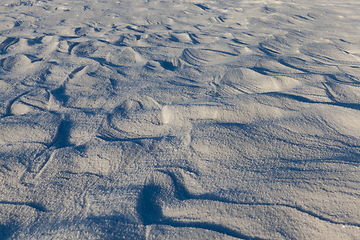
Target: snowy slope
{"points": [[179, 119]]}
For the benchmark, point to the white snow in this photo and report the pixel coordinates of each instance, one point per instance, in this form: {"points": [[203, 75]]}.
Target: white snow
{"points": [[137, 119]]}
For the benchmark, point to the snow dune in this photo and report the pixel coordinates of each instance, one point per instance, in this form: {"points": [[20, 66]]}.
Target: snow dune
{"points": [[179, 119]]}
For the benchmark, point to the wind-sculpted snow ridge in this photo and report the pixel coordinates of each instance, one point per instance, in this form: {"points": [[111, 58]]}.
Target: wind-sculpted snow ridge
{"points": [[179, 119]]}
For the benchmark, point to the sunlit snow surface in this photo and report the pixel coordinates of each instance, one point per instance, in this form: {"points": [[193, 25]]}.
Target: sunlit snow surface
{"points": [[179, 119]]}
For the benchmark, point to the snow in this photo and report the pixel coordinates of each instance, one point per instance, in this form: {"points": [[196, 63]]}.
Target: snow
{"points": [[179, 119]]}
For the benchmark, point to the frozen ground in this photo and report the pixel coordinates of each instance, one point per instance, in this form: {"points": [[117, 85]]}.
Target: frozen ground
{"points": [[179, 120]]}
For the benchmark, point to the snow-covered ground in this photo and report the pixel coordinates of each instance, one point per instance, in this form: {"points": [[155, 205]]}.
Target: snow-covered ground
{"points": [[134, 119]]}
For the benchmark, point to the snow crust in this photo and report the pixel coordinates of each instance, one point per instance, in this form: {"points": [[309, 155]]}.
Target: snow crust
{"points": [[180, 119]]}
